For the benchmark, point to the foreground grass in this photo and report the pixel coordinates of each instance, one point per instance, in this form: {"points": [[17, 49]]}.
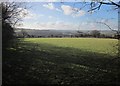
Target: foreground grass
{"points": [[42, 61]]}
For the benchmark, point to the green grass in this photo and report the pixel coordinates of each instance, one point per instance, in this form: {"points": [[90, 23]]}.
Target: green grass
{"points": [[105, 46], [61, 61]]}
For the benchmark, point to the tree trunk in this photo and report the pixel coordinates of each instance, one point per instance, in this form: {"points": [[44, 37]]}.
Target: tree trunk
{"points": [[119, 31]]}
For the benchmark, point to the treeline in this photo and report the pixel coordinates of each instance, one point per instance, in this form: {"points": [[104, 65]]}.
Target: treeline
{"points": [[92, 34]]}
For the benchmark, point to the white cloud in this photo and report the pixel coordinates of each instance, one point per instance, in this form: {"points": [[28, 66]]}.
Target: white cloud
{"points": [[80, 13], [75, 12], [50, 17], [27, 14], [33, 16], [68, 10], [51, 6], [60, 25], [58, 10], [40, 15]]}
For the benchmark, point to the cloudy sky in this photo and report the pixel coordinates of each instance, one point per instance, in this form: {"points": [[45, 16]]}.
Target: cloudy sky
{"points": [[67, 16]]}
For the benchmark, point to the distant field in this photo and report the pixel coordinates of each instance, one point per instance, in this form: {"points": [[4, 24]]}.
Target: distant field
{"points": [[105, 46]]}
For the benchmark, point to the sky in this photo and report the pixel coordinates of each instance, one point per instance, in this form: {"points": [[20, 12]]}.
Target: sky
{"points": [[67, 16]]}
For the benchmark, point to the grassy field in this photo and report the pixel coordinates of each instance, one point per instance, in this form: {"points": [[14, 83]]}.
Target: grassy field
{"points": [[69, 61], [105, 46]]}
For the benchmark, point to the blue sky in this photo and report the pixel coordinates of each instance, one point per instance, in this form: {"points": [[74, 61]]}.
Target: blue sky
{"points": [[67, 16]]}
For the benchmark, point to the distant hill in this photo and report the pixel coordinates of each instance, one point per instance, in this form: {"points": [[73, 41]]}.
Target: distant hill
{"points": [[58, 32]]}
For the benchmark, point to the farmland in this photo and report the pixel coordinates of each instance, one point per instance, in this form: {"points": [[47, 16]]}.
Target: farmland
{"points": [[71, 61], [105, 46]]}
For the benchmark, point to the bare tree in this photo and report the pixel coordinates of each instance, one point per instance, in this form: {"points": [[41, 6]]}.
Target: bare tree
{"points": [[12, 13], [96, 4], [116, 31]]}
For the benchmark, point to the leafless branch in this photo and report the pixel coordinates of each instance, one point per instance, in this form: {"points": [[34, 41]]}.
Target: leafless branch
{"points": [[108, 27], [97, 5], [11, 12]]}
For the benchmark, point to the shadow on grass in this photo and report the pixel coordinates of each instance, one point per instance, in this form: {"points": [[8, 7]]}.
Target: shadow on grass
{"points": [[31, 63]]}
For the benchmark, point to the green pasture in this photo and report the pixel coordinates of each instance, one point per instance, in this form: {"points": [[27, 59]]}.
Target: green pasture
{"points": [[62, 61], [106, 46]]}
